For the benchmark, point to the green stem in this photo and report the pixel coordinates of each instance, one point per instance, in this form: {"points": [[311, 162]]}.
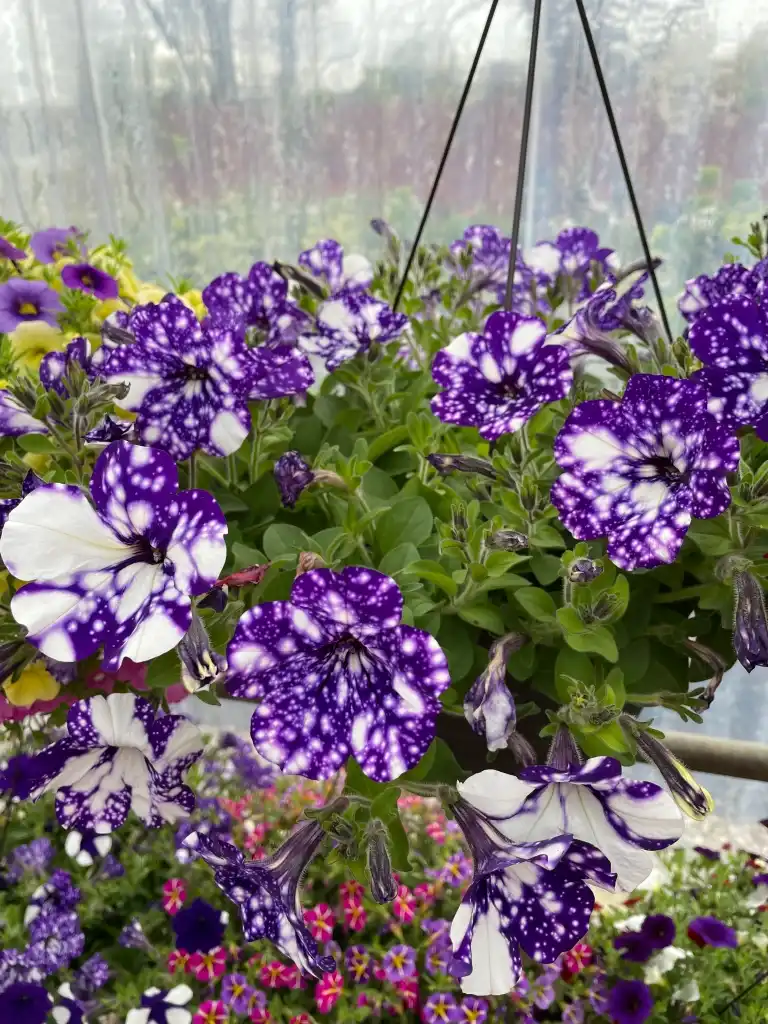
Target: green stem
{"points": [[207, 467], [231, 471], [682, 595], [192, 466]]}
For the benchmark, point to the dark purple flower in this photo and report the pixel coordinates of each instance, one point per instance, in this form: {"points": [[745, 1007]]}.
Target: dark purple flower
{"points": [[629, 1002], [55, 366], [56, 938], [35, 856], [750, 627], [17, 778], [109, 430], [709, 931], [24, 1003], [9, 251], [86, 278], [198, 927], [348, 324], [579, 251], [54, 896], [261, 300], [639, 470], [636, 947], [111, 867], [590, 331], [267, 892], [490, 251], [338, 675], [87, 847], [292, 475], [659, 930], [730, 281], [50, 245], [704, 851], [132, 936], [326, 261], [358, 964], [497, 380], [69, 1009], [22, 301], [93, 975]]}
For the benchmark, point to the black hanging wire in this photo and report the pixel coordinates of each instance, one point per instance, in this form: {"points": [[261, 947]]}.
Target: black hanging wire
{"points": [[624, 167], [527, 108], [446, 151]]}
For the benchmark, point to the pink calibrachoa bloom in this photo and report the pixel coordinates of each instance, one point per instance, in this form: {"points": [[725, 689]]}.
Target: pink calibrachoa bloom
{"points": [[328, 990], [208, 966], [178, 961], [212, 1011], [261, 1015], [436, 832], [174, 894], [404, 904], [320, 921], [355, 915], [272, 974], [351, 890], [292, 977], [408, 988], [300, 1018], [425, 893], [576, 959]]}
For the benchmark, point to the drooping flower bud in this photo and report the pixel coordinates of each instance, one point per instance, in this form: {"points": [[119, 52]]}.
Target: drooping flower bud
{"points": [[489, 707], [563, 752], [584, 570], [200, 664], [309, 560], [690, 797], [292, 475], [459, 523], [445, 464], [750, 626], [713, 660], [507, 540], [382, 882], [217, 597]]}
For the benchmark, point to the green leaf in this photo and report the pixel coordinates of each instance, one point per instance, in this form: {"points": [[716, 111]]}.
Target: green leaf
{"points": [[386, 441], [498, 562], [614, 683], [37, 443], [400, 559], [433, 572], [543, 535], [546, 568], [538, 603], [607, 740], [285, 539], [445, 767], [208, 697], [711, 536], [634, 660], [455, 639], [522, 664], [410, 518], [598, 639], [164, 671], [356, 781], [570, 620], [509, 581], [243, 556], [486, 616], [570, 665]]}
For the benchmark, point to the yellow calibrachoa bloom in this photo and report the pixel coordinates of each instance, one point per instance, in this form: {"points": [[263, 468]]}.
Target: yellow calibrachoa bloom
{"points": [[128, 283], [38, 461], [194, 299], [107, 307], [35, 683], [34, 339], [150, 293]]}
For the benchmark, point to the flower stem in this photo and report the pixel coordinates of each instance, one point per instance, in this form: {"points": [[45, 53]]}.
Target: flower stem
{"points": [[192, 464]]}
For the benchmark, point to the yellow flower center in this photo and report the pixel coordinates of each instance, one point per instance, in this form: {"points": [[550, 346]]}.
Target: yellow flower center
{"points": [[35, 683], [87, 280], [28, 309]]}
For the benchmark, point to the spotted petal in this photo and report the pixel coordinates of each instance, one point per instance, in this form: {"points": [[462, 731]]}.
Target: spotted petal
{"points": [[280, 371], [15, 420], [132, 488], [733, 335], [356, 596]]}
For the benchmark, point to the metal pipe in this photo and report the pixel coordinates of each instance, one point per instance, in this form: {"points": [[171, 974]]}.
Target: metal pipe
{"points": [[740, 759]]}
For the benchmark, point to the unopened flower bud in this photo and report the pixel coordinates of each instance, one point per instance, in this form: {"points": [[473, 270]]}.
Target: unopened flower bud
{"points": [[584, 570], [459, 523], [200, 664], [507, 540], [292, 475], [309, 560], [489, 707], [750, 626], [563, 752], [521, 749], [445, 464], [382, 883], [690, 797]]}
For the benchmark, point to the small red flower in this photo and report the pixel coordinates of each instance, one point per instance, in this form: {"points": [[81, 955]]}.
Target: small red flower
{"points": [[212, 1011], [425, 893], [300, 1018], [291, 977], [576, 959], [178, 961], [272, 974], [174, 894], [320, 921], [208, 966], [404, 904], [328, 990], [355, 916], [409, 990], [351, 890], [261, 1015], [436, 832]]}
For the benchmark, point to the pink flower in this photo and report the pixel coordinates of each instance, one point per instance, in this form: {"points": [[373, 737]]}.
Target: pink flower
{"points": [[435, 831], [328, 990], [404, 904], [300, 1018], [174, 894], [212, 1011], [261, 1015], [409, 990], [576, 959], [272, 974], [425, 893], [178, 960], [208, 966], [320, 921], [291, 977], [351, 890], [355, 916]]}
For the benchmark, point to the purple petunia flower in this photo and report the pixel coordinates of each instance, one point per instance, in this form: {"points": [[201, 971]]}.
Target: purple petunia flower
{"points": [[54, 896], [69, 1009], [267, 892], [629, 1002], [117, 757], [292, 475], [399, 962], [609, 309], [659, 930], [731, 338], [25, 1003], [132, 936], [348, 324], [93, 975], [121, 575], [337, 674], [22, 301], [580, 251], [750, 625], [639, 470], [489, 706], [441, 1008], [190, 383], [159, 1006], [490, 251], [85, 848], [109, 430], [636, 947], [14, 418], [55, 938], [37, 855], [261, 300], [705, 851], [15, 776], [709, 931], [199, 927], [111, 867], [532, 896], [497, 380], [86, 278], [50, 245], [358, 964], [573, 1012], [730, 281], [592, 802], [9, 251], [55, 366], [326, 261]]}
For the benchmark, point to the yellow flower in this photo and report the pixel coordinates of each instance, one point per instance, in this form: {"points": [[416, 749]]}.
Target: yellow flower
{"points": [[194, 299], [34, 339], [107, 307], [128, 283], [150, 293], [38, 461], [35, 683]]}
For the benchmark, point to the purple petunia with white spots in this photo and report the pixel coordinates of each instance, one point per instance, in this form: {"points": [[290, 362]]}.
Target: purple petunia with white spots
{"points": [[118, 757], [638, 471], [119, 575], [14, 418], [54, 366], [497, 380], [730, 282], [580, 250], [261, 299], [348, 324], [326, 261], [336, 675]]}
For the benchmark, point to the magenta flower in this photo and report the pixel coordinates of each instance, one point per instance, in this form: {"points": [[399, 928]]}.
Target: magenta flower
{"points": [[50, 245], [22, 301], [710, 931], [86, 278]]}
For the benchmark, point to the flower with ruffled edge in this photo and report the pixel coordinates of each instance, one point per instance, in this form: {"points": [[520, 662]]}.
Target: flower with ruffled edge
{"points": [[635, 946], [116, 757], [49, 245], [580, 251], [730, 281], [267, 892], [261, 299], [199, 927], [659, 930], [92, 976], [623, 819], [348, 324], [9, 251], [84, 277], [326, 261], [25, 1003], [497, 380], [55, 366], [162, 1007], [489, 706], [120, 575], [188, 382], [211, 1011], [710, 931], [337, 674], [637, 471], [609, 309], [210, 966], [731, 339], [532, 896], [22, 301], [629, 1002]]}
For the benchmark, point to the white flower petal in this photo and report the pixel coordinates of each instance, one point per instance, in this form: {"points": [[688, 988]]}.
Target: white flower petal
{"points": [[585, 819], [493, 971], [179, 995], [496, 794]]}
